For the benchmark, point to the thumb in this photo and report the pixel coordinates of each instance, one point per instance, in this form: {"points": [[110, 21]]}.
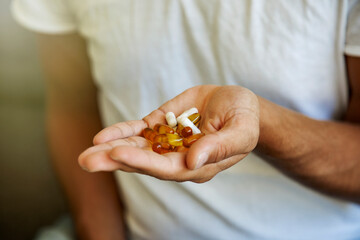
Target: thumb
{"points": [[222, 144]]}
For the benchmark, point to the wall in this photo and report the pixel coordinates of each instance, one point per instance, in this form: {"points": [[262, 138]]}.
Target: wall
{"points": [[29, 194]]}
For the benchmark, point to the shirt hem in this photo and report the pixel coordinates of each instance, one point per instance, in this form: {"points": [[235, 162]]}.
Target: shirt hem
{"points": [[352, 50]]}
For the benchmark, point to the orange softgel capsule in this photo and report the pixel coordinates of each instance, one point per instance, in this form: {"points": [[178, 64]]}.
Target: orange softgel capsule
{"points": [[161, 148], [162, 128], [193, 138], [149, 134]]}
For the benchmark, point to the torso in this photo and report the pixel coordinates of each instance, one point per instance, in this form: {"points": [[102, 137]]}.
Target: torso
{"points": [[290, 52]]}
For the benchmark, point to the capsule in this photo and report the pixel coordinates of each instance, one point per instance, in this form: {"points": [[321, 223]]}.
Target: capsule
{"points": [[149, 134], [161, 148], [173, 139], [187, 123], [187, 113], [171, 119], [161, 138], [162, 128], [186, 132], [195, 118], [179, 128], [193, 138]]}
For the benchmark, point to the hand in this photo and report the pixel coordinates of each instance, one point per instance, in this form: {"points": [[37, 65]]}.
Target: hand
{"points": [[230, 120]]}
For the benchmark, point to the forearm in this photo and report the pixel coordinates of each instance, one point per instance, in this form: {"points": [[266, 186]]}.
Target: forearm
{"points": [[324, 155], [92, 197]]}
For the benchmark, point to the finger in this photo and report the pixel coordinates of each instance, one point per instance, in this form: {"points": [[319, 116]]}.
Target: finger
{"points": [[193, 97], [120, 130], [88, 154], [100, 161], [239, 137], [130, 141], [170, 166]]}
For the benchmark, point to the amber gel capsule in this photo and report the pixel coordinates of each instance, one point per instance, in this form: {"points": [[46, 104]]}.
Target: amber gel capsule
{"points": [[179, 128], [193, 138], [149, 134], [195, 118], [173, 139], [161, 138], [162, 128], [161, 148]]}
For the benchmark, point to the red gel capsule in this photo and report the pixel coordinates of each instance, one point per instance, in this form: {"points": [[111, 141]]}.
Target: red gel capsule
{"points": [[193, 138], [161, 148], [149, 134], [186, 132], [163, 129]]}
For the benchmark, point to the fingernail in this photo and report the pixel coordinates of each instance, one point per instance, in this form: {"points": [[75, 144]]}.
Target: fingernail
{"points": [[113, 157], [202, 158]]}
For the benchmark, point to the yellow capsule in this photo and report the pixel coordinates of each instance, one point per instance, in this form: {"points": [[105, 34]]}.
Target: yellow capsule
{"points": [[149, 134], [195, 118], [174, 139], [193, 138], [162, 128]]}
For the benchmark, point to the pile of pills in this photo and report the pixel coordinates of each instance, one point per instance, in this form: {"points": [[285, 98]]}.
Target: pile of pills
{"points": [[179, 134]]}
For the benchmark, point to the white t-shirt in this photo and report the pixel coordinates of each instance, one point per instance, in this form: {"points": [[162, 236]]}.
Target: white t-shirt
{"points": [[145, 52]]}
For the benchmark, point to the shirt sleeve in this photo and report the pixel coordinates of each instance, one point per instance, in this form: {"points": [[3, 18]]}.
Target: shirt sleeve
{"points": [[44, 16], [352, 44]]}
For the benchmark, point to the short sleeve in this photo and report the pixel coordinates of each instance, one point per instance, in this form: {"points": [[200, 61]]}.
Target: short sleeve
{"points": [[352, 45], [45, 16]]}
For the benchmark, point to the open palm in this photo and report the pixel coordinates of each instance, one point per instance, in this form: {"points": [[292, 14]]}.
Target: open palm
{"points": [[230, 120]]}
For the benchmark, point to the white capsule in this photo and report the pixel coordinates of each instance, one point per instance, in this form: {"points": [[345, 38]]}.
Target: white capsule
{"points": [[171, 119], [187, 113], [188, 123]]}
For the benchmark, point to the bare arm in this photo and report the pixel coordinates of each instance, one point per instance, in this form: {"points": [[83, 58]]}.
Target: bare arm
{"points": [[72, 120], [324, 155]]}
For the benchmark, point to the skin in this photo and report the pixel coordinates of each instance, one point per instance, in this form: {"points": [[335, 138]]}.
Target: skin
{"points": [[72, 120], [323, 155]]}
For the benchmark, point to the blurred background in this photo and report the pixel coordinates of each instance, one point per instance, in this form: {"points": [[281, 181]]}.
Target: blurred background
{"points": [[30, 197]]}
